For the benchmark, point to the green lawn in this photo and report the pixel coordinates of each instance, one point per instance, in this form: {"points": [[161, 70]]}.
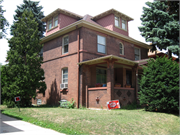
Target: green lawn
{"points": [[85, 121]]}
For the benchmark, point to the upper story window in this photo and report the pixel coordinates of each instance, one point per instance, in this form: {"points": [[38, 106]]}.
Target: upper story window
{"points": [[65, 44], [123, 24], [137, 53], [101, 44], [117, 24], [65, 75], [121, 48], [49, 24], [55, 21]]}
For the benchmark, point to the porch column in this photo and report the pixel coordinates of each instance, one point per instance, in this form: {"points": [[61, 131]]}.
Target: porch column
{"points": [[110, 79]]}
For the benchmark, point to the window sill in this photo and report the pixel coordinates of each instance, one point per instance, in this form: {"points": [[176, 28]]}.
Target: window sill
{"points": [[122, 55], [52, 28], [121, 28], [104, 54]]}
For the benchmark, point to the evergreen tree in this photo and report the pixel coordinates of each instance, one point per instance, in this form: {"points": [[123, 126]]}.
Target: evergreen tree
{"points": [[160, 85], [160, 26], [3, 22], [36, 10], [23, 75]]}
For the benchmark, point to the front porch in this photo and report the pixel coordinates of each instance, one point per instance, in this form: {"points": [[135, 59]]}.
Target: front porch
{"points": [[108, 78]]}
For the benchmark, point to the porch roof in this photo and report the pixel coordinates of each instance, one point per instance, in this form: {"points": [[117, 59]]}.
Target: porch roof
{"points": [[117, 60]]}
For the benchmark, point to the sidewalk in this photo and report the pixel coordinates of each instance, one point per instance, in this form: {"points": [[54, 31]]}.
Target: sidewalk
{"points": [[12, 126]]}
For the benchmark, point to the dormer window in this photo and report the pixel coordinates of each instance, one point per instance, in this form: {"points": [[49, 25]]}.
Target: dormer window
{"points": [[49, 24], [123, 24], [117, 24], [55, 21]]}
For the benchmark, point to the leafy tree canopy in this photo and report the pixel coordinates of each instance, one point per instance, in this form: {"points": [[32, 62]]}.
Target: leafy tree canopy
{"points": [[3, 22], [35, 9], [23, 75], [161, 26]]}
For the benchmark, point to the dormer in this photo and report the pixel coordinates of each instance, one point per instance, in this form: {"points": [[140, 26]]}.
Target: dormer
{"points": [[59, 19], [114, 20]]}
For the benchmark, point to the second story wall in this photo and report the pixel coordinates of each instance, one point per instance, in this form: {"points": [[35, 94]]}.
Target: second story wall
{"points": [[112, 46], [53, 49]]}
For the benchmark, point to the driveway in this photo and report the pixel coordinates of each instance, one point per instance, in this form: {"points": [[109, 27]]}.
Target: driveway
{"points": [[12, 126]]}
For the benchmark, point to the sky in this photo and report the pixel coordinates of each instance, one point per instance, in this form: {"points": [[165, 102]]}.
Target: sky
{"points": [[132, 8]]}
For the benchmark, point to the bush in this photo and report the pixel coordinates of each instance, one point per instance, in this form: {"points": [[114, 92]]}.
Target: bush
{"points": [[132, 106], [67, 104], [160, 85]]}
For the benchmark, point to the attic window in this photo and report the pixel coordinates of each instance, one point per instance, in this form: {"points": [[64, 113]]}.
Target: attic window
{"points": [[123, 24], [49, 24], [117, 24], [55, 21]]}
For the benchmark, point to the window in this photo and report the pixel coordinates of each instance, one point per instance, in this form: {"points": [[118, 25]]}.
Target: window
{"points": [[101, 46], [100, 75], [65, 44], [55, 21], [128, 77], [137, 53], [65, 75], [49, 24], [117, 21], [41, 53], [123, 24], [121, 48]]}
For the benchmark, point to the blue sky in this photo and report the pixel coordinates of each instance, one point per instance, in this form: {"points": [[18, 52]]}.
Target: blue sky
{"points": [[132, 8]]}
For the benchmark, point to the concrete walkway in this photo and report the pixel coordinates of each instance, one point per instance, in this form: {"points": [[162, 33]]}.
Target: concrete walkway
{"points": [[12, 126]]}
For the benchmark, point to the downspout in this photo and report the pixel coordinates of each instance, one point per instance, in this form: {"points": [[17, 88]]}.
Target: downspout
{"points": [[78, 66]]}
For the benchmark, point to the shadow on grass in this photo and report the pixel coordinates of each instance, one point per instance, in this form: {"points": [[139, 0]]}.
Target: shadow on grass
{"points": [[16, 117]]}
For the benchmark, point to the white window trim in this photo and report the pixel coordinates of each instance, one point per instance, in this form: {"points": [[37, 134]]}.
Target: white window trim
{"points": [[51, 24], [125, 24], [139, 53], [63, 44], [55, 20], [63, 74], [118, 21], [101, 44], [122, 48]]}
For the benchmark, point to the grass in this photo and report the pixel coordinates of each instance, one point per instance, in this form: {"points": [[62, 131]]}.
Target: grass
{"points": [[85, 121]]}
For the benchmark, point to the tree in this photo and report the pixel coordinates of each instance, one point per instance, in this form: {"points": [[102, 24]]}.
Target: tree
{"points": [[160, 85], [3, 22], [161, 26], [23, 75], [36, 10]]}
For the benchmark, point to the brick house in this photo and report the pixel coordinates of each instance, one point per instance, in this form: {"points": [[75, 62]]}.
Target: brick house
{"points": [[93, 57]]}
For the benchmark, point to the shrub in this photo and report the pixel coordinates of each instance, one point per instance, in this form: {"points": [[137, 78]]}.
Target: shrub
{"points": [[160, 85], [67, 104]]}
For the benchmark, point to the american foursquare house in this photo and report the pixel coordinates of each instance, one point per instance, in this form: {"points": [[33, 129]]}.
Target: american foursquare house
{"points": [[91, 59]]}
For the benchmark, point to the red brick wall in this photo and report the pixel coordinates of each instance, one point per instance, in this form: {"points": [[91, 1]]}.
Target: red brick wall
{"points": [[107, 21], [54, 61], [112, 46], [66, 20]]}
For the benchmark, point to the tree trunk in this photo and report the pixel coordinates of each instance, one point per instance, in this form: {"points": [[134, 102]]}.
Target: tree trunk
{"points": [[169, 54]]}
